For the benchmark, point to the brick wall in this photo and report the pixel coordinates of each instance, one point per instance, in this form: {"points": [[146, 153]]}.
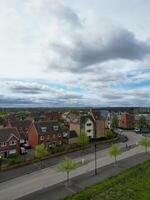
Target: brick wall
{"points": [[32, 136], [75, 127]]}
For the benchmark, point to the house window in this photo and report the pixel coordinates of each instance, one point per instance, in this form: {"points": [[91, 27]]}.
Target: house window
{"points": [[89, 124], [3, 144], [12, 142], [60, 142], [41, 137], [88, 131], [47, 137], [55, 128], [43, 129]]}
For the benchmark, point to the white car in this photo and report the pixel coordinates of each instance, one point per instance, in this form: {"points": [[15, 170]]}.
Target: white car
{"points": [[137, 130]]}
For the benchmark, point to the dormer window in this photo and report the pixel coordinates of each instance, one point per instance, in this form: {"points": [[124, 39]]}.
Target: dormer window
{"points": [[43, 129], [12, 142], [3, 144], [41, 137], [55, 128]]}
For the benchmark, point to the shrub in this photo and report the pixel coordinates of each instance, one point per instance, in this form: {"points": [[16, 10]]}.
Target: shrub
{"points": [[110, 134], [16, 159]]}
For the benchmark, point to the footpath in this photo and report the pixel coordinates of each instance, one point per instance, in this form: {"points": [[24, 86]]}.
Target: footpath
{"points": [[52, 180]]}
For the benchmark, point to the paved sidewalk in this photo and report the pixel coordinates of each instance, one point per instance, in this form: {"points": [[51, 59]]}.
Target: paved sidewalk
{"points": [[59, 191], [38, 180]]}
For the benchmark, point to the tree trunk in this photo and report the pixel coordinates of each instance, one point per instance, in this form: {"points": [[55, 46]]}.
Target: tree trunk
{"points": [[67, 178], [146, 149], [115, 159], [83, 159]]}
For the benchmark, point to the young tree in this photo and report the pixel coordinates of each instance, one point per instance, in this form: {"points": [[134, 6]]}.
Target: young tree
{"points": [[66, 165], [142, 123], [40, 151], [114, 151], [110, 134], [115, 122], [83, 140], [145, 142]]}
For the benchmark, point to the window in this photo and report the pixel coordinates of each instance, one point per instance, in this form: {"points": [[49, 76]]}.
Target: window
{"points": [[3, 144], [47, 137], [43, 129], [41, 137], [88, 131], [55, 128], [54, 136], [12, 142], [89, 124]]}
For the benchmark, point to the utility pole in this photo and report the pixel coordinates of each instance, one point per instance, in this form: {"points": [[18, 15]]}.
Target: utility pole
{"points": [[95, 145]]}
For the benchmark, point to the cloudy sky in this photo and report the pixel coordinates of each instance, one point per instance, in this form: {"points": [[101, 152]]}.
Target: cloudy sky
{"points": [[74, 53]]}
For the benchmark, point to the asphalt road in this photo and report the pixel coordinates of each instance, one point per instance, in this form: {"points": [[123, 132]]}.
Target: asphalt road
{"points": [[59, 191], [13, 173]]}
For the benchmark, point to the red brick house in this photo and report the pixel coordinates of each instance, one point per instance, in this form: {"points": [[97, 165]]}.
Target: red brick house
{"points": [[47, 133], [9, 142], [22, 127], [126, 121]]}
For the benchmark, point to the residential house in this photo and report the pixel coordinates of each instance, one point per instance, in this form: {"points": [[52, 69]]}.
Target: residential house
{"points": [[47, 133], [126, 121], [101, 120], [83, 123], [23, 128], [71, 137], [9, 141]]}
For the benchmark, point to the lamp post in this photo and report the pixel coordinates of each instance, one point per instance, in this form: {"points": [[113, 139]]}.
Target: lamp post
{"points": [[0, 161], [95, 145]]}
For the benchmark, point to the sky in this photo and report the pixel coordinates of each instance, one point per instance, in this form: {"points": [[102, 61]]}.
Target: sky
{"points": [[72, 53]]}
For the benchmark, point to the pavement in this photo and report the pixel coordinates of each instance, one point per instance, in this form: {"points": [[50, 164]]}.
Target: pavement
{"points": [[27, 169], [80, 182], [49, 177]]}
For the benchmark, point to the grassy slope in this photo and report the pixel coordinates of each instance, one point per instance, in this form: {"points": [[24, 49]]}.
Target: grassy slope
{"points": [[132, 184]]}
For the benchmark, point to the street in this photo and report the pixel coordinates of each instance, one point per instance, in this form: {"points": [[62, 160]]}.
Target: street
{"points": [[27, 169], [48, 177]]}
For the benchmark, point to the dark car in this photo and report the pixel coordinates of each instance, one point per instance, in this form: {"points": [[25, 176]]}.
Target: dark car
{"points": [[26, 146]]}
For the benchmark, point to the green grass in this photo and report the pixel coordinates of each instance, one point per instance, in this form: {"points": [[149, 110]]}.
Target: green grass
{"points": [[131, 184]]}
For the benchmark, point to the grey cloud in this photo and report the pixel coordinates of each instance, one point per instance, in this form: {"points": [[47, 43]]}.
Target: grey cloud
{"points": [[27, 90], [82, 54], [12, 101], [122, 46], [69, 15]]}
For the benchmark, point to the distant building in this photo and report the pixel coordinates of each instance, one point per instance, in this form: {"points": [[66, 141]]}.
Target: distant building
{"points": [[101, 119], [47, 133], [71, 137], [9, 142], [22, 127], [126, 121], [83, 123]]}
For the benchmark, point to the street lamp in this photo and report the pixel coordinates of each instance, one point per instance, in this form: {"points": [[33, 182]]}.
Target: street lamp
{"points": [[95, 145], [0, 161]]}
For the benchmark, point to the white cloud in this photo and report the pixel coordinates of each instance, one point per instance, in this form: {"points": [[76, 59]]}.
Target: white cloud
{"points": [[96, 47]]}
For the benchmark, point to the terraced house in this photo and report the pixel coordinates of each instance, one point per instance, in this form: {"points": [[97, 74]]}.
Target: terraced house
{"points": [[47, 133], [9, 142], [22, 127], [83, 123]]}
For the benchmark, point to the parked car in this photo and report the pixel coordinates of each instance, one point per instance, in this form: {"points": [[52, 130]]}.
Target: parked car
{"points": [[23, 151], [26, 146], [137, 130]]}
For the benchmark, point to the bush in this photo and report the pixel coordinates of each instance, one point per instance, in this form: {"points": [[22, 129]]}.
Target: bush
{"points": [[110, 134], [57, 149], [15, 159]]}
